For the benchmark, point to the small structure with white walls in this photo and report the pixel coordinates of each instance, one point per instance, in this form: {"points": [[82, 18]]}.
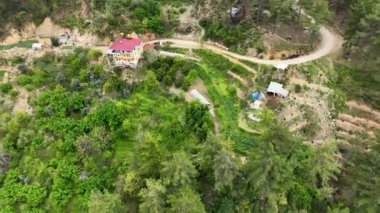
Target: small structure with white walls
{"points": [[277, 89], [281, 67], [37, 46], [202, 100]]}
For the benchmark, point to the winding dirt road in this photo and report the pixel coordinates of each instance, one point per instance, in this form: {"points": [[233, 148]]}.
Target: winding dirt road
{"points": [[330, 43]]}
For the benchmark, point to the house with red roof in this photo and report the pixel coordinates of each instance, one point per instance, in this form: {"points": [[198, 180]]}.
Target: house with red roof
{"points": [[126, 52]]}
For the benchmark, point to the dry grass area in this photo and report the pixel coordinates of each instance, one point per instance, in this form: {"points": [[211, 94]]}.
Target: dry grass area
{"points": [[21, 104], [308, 110], [358, 120], [48, 29]]}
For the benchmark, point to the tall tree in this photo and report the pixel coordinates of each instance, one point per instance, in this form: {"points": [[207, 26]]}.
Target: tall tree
{"points": [[153, 197], [147, 156], [362, 30], [104, 202], [325, 168], [186, 201], [225, 169], [178, 171], [269, 176]]}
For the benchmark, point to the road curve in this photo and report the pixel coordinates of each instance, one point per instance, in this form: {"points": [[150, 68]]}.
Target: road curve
{"points": [[329, 44]]}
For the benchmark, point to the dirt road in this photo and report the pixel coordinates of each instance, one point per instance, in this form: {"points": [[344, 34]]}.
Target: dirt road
{"points": [[330, 43]]}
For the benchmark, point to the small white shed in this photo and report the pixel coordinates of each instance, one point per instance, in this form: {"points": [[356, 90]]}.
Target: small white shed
{"points": [[203, 100], [37, 46], [281, 67], [277, 89]]}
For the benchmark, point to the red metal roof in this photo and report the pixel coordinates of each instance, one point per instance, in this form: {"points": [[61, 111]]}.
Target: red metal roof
{"points": [[125, 44]]}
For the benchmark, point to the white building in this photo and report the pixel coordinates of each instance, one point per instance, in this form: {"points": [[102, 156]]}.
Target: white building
{"points": [[202, 100], [277, 89], [125, 52], [37, 46]]}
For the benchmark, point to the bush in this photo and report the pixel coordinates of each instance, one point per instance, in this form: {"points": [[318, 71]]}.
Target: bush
{"points": [[298, 88], [22, 69], [94, 54], [6, 88], [54, 41], [24, 80], [29, 87], [13, 93], [2, 73], [17, 60], [182, 10]]}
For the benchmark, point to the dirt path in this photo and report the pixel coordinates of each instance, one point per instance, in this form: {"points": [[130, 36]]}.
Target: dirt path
{"points": [[239, 78], [21, 104], [330, 43]]}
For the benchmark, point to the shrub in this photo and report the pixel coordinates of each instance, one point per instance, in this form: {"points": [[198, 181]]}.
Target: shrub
{"points": [[17, 60], [2, 73], [13, 93], [24, 80], [22, 69], [54, 41], [298, 88], [60, 78], [6, 88], [94, 54], [182, 10], [29, 87]]}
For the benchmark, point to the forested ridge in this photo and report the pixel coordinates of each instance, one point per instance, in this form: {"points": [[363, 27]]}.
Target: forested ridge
{"points": [[97, 141]]}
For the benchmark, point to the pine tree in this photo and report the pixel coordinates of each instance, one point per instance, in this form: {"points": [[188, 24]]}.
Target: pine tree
{"points": [[153, 197]]}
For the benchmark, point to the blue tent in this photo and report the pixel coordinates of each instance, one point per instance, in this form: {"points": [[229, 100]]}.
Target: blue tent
{"points": [[256, 95]]}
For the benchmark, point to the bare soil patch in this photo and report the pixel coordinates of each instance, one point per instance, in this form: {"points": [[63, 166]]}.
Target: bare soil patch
{"points": [[361, 119], [308, 111], [367, 111], [21, 104]]}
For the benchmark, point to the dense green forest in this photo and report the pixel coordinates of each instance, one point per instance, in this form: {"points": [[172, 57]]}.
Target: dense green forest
{"points": [[97, 142]]}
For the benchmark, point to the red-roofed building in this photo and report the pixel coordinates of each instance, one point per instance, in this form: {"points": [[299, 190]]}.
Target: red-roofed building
{"points": [[126, 52]]}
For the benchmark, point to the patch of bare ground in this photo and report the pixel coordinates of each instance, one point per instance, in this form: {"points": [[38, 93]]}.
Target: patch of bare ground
{"points": [[361, 119], [21, 104], [278, 48], [308, 109], [48, 29], [240, 93], [303, 82], [364, 110]]}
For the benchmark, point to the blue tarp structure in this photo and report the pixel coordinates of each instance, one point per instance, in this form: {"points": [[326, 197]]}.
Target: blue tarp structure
{"points": [[256, 95]]}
